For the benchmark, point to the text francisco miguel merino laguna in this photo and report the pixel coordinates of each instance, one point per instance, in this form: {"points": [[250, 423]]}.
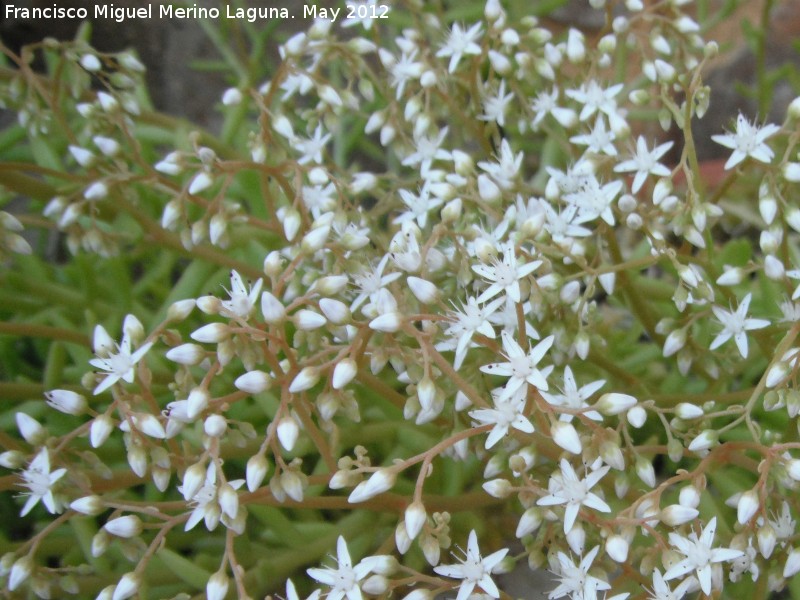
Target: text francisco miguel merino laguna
{"points": [[164, 11]]}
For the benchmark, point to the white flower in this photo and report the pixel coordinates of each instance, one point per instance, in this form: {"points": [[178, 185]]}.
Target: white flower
{"points": [[594, 98], [474, 570], [505, 274], [521, 367], [468, 321], [344, 580], [662, 591], [573, 397], [599, 140], [700, 556], [39, 481], [566, 488], [748, 140], [494, 106], [575, 580], [241, 302], [545, 103], [119, 362], [427, 149], [404, 70], [735, 325], [417, 206], [460, 42], [311, 149], [644, 162], [507, 412]]}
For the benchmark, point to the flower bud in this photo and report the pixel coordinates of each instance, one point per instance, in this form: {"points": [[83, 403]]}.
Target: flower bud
{"points": [[498, 488], [197, 402], [615, 403], [212, 333], [747, 506], [12, 459], [617, 548], [375, 585], [687, 411], [128, 585], [99, 430], [304, 380], [181, 309], [529, 522], [66, 401], [215, 426], [228, 500], [388, 322], [777, 373], [149, 425], [380, 481], [566, 437], [308, 320], [125, 527], [423, 290], [193, 480], [201, 182], [488, 190], [96, 191], [30, 429], [186, 354], [288, 432], [677, 514], [792, 566], [256, 471], [20, 572], [431, 549], [704, 441], [637, 416], [415, 518], [217, 586], [645, 471], [253, 382], [675, 341], [343, 373], [791, 172], [272, 309], [766, 540], [335, 311]]}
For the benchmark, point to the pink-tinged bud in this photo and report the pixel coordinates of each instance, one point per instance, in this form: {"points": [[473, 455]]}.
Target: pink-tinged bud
{"points": [[747, 507], [212, 333], [186, 354], [792, 566], [253, 382], [197, 402], [125, 527], [228, 500], [272, 309], [193, 480], [343, 373], [617, 548], [128, 585], [30, 429], [217, 586], [677, 514], [66, 401], [767, 539], [256, 471], [687, 411], [88, 505], [308, 319], [566, 437], [99, 430], [415, 518], [215, 426], [20, 572], [704, 441], [423, 290], [288, 431], [498, 488], [388, 322], [149, 425], [615, 403], [379, 482], [305, 380]]}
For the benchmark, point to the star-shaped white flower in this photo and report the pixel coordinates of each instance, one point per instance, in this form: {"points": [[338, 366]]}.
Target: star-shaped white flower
{"points": [[39, 481], [599, 140], [575, 580], [700, 555], [644, 162], [521, 368], [662, 591], [507, 412], [471, 319], [344, 580], [735, 325], [474, 570], [505, 274], [566, 488], [573, 397], [241, 302], [459, 43], [117, 364], [747, 140]]}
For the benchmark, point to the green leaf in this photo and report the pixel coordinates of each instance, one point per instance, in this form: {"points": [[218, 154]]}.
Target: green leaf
{"points": [[183, 568]]}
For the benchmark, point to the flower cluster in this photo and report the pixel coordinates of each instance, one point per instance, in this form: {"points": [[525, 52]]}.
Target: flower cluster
{"points": [[434, 270]]}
